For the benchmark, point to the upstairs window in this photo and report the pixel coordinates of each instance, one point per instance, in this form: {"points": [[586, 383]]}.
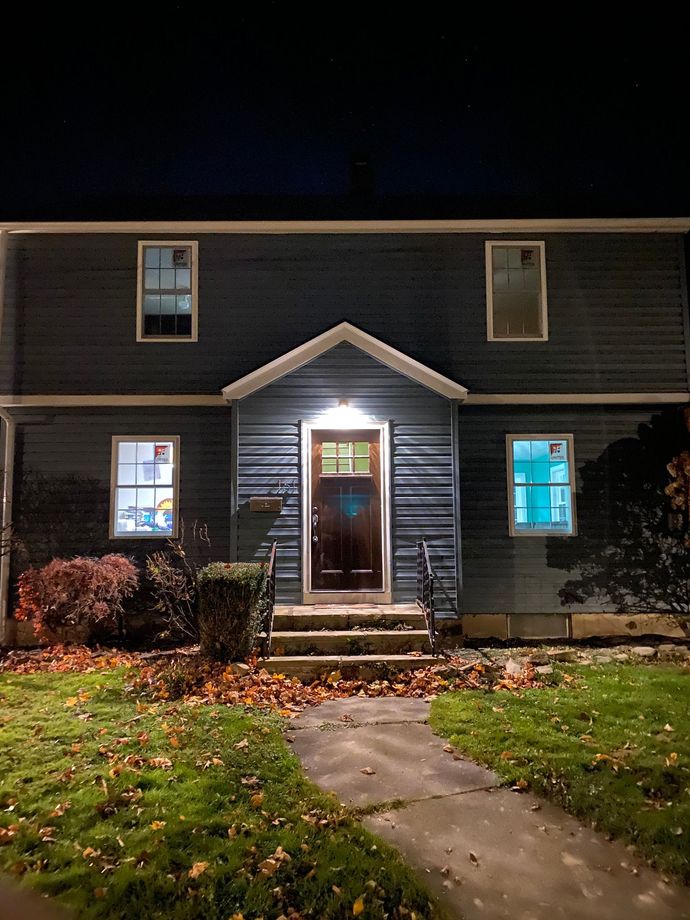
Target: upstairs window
{"points": [[516, 292], [167, 292], [541, 484], [145, 486]]}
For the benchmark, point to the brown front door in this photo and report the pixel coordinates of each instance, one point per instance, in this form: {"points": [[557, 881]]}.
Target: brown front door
{"points": [[346, 541]]}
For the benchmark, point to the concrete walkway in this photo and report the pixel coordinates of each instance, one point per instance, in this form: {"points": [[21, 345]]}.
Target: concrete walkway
{"points": [[486, 852]]}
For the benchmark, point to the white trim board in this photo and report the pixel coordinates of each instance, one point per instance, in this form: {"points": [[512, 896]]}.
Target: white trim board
{"points": [[510, 225], [344, 332], [47, 401], [574, 399], [385, 595]]}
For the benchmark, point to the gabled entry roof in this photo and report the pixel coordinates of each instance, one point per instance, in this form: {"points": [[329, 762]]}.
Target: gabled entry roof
{"points": [[344, 332]]}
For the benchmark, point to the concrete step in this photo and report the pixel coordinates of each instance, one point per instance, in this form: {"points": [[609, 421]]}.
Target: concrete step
{"points": [[309, 667], [336, 617], [349, 642]]}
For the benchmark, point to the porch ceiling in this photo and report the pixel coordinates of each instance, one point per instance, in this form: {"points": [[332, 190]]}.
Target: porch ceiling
{"points": [[344, 332]]}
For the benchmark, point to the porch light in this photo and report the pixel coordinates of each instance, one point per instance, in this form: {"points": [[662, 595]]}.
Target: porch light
{"points": [[344, 416]]}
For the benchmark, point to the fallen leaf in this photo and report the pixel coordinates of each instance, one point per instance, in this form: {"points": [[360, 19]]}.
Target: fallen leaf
{"points": [[672, 759], [358, 906], [473, 858], [448, 748], [157, 825], [668, 728], [367, 771], [197, 869], [71, 701], [241, 745], [100, 892], [257, 800]]}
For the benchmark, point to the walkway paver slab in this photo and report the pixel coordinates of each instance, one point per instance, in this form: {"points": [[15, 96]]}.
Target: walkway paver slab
{"points": [[530, 861], [406, 762], [362, 711]]}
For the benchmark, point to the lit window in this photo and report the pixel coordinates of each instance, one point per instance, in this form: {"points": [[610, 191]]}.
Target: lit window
{"points": [[167, 292], [344, 457], [145, 487], [541, 484], [516, 292]]}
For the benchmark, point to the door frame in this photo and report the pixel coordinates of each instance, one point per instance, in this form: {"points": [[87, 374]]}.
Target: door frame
{"points": [[384, 595]]}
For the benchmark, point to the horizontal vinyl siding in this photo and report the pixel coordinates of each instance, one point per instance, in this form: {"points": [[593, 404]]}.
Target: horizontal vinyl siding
{"points": [[615, 311], [62, 478], [421, 477], [504, 574]]}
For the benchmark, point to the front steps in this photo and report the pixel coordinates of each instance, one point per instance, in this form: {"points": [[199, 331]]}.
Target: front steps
{"points": [[362, 640]]}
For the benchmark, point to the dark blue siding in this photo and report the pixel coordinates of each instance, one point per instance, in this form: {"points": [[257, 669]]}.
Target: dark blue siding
{"points": [[422, 479], [62, 477], [510, 574], [615, 311]]}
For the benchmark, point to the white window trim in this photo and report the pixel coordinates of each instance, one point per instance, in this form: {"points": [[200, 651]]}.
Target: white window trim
{"points": [[510, 438], [194, 248], [116, 441], [518, 244]]}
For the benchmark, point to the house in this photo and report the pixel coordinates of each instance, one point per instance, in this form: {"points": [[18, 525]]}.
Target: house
{"points": [[346, 389]]}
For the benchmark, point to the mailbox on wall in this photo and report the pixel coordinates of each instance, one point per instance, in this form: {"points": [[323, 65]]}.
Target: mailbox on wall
{"points": [[266, 503]]}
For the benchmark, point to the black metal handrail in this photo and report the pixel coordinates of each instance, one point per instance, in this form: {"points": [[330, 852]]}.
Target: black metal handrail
{"points": [[270, 602], [425, 591]]}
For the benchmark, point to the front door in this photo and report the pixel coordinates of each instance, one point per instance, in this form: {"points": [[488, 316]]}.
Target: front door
{"points": [[346, 542]]}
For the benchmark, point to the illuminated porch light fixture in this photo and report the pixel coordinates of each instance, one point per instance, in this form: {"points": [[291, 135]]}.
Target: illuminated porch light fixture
{"points": [[344, 416]]}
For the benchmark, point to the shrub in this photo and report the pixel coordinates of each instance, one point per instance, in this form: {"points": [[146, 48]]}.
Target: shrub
{"points": [[81, 593], [230, 603], [173, 574]]}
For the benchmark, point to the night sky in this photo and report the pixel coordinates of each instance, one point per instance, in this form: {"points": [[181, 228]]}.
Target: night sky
{"points": [[173, 113]]}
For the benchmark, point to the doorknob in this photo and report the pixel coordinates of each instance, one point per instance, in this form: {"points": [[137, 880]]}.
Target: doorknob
{"points": [[315, 524]]}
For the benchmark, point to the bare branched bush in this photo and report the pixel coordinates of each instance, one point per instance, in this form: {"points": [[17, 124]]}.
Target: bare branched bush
{"points": [[173, 573]]}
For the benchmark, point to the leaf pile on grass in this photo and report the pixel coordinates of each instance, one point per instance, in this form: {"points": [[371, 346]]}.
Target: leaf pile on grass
{"points": [[609, 743], [119, 808], [194, 678], [66, 659]]}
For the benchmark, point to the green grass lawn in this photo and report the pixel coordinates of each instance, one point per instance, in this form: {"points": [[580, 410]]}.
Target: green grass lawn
{"points": [[124, 809], [611, 745]]}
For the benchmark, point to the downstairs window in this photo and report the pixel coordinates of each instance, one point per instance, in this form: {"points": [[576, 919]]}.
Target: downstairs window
{"points": [[145, 486], [541, 484]]}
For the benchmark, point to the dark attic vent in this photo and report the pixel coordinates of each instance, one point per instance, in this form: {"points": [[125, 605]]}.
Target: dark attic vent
{"points": [[361, 175]]}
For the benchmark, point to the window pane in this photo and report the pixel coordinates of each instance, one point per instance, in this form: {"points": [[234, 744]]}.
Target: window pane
{"points": [[168, 326], [126, 498], [521, 450], [127, 451], [539, 450], [151, 256], [540, 472], [184, 303], [151, 279], [328, 466], [167, 279], [361, 448], [152, 304], [127, 474], [361, 465], [167, 303], [328, 449], [183, 278], [183, 325], [144, 451], [152, 325], [166, 257]]}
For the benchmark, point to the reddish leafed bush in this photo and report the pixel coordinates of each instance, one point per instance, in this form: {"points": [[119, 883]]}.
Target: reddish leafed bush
{"points": [[77, 594]]}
